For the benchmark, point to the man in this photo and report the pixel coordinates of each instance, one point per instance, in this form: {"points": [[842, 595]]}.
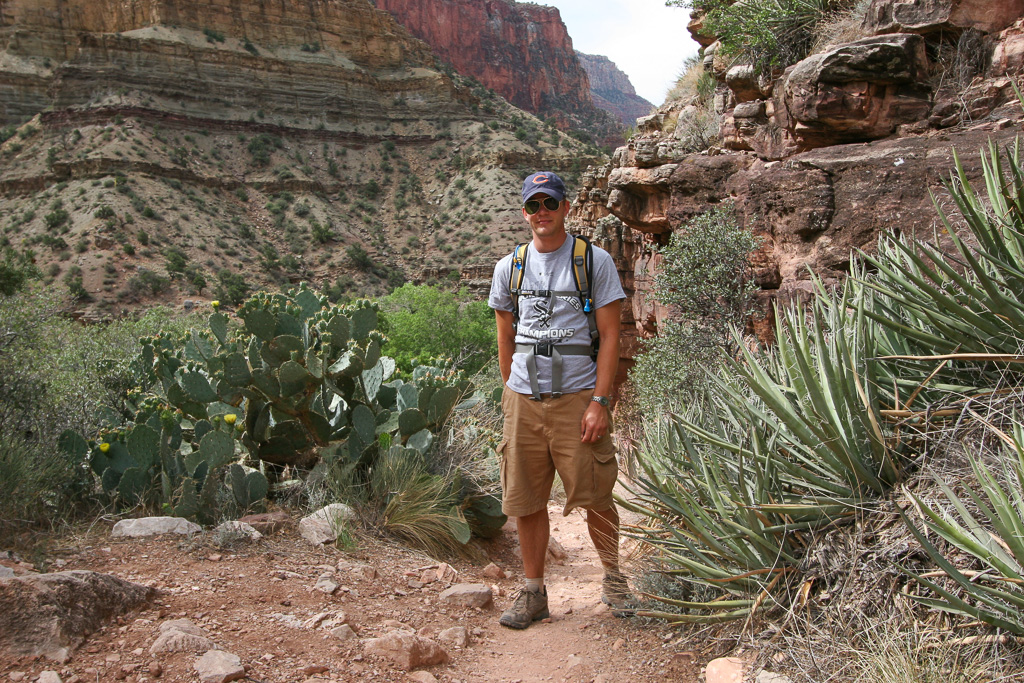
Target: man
{"points": [[555, 398]]}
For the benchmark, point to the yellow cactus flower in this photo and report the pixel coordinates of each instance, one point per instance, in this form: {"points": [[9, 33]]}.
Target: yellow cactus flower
{"points": [[104, 447], [215, 304], [230, 418]]}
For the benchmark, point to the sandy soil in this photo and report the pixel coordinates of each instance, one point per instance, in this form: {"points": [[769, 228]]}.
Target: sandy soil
{"points": [[253, 601]]}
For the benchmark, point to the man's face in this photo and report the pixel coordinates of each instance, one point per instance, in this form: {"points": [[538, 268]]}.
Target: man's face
{"points": [[545, 222]]}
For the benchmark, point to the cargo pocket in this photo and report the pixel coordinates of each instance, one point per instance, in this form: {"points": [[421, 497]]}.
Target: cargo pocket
{"points": [[606, 472], [502, 447]]}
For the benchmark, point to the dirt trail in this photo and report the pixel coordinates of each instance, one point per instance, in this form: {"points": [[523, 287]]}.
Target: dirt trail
{"points": [[258, 601], [582, 641]]}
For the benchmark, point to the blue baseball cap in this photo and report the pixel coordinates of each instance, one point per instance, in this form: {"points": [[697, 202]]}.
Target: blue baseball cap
{"points": [[546, 182]]}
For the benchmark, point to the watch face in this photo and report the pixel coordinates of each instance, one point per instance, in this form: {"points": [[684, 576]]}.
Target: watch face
{"points": [[603, 400]]}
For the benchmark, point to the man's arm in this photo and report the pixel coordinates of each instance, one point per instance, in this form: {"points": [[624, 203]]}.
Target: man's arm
{"points": [[506, 342], [595, 419]]}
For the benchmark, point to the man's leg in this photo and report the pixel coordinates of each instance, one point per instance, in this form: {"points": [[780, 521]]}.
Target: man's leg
{"points": [[531, 602], [534, 530]]}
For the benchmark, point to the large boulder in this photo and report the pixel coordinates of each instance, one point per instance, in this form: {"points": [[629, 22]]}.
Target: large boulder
{"points": [[51, 614], [324, 525], [857, 91], [933, 16]]}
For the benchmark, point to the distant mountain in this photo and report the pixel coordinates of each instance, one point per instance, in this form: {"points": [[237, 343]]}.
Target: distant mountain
{"points": [[522, 51], [611, 90]]}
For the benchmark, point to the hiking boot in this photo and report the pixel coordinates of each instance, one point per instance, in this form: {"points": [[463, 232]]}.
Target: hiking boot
{"points": [[529, 606], [615, 593]]}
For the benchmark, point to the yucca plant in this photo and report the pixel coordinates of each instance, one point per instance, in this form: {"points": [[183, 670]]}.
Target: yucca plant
{"points": [[964, 306], [713, 524], [993, 537], [792, 442]]}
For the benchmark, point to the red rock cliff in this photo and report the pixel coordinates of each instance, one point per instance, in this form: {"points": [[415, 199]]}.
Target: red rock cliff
{"points": [[521, 51], [612, 90]]}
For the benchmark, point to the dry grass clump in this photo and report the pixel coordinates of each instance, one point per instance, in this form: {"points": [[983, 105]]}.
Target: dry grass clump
{"points": [[843, 26], [686, 85]]}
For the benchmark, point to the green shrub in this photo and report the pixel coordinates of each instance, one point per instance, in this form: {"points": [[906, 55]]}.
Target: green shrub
{"points": [[359, 257], [56, 218], [146, 283], [371, 189], [426, 322], [705, 276], [175, 261], [262, 146], [232, 287], [321, 233], [55, 375], [16, 269]]}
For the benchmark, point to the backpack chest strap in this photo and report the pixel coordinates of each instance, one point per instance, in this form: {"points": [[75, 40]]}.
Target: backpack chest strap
{"points": [[555, 352]]}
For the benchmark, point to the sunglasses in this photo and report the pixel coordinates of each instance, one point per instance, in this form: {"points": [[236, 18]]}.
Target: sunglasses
{"points": [[532, 206]]}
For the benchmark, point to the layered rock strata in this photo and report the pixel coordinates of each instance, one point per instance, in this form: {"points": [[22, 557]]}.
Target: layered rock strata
{"points": [[261, 140], [812, 211], [221, 60]]}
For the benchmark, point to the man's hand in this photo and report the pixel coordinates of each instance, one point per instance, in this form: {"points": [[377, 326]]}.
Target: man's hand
{"points": [[595, 423]]}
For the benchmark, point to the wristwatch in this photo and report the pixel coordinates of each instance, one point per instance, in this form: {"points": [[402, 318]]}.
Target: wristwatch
{"points": [[603, 400]]}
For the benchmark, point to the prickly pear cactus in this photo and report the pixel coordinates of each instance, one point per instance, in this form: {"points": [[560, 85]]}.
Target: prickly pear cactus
{"points": [[289, 380]]}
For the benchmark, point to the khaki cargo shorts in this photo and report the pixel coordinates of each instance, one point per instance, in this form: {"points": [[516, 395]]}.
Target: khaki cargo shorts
{"points": [[542, 437]]}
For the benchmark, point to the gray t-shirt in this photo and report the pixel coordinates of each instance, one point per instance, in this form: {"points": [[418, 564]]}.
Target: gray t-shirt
{"points": [[559, 319]]}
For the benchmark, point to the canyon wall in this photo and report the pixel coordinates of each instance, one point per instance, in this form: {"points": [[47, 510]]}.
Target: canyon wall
{"points": [[612, 91], [848, 144], [522, 51]]}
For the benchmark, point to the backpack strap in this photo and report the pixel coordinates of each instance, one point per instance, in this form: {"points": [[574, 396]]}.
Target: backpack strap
{"points": [[515, 279], [582, 274]]}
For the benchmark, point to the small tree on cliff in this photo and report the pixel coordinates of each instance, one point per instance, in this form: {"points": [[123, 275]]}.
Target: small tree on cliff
{"points": [[705, 277]]}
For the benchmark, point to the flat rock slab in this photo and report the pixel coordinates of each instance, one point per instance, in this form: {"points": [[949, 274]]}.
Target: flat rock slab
{"points": [[323, 525], [239, 529], [217, 666], [468, 595], [52, 614], [154, 526], [407, 650], [268, 522], [181, 635]]}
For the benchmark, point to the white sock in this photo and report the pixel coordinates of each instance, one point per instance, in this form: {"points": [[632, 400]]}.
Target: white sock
{"points": [[535, 585]]}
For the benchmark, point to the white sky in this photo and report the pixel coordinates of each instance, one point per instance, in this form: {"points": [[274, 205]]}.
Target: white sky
{"points": [[645, 39]]}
